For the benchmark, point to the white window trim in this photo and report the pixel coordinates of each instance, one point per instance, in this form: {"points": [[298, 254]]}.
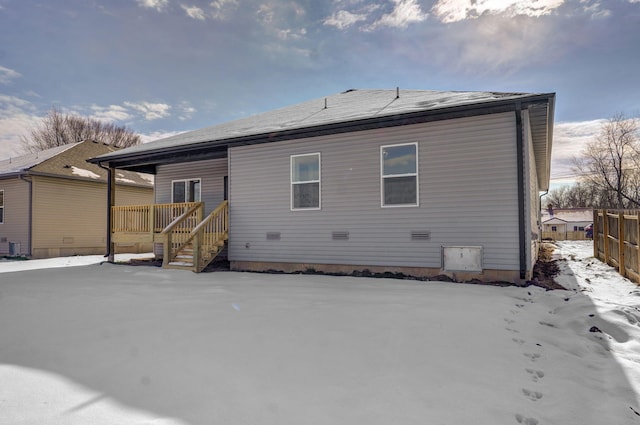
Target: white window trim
{"points": [[319, 181], [2, 206], [416, 174], [187, 180]]}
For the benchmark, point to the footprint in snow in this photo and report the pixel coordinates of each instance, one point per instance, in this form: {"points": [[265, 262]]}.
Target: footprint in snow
{"points": [[526, 421], [535, 374], [518, 341], [509, 321], [532, 356], [532, 395]]}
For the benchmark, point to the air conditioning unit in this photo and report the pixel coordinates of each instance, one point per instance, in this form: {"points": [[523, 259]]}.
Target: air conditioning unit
{"points": [[14, 248]]}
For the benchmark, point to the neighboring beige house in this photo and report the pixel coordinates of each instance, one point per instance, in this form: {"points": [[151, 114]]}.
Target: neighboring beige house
{"points": [[566, 224], [53, 203]]}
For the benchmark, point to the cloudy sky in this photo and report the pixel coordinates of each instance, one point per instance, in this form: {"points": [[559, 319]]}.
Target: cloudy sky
{"points": [[166, 66]]}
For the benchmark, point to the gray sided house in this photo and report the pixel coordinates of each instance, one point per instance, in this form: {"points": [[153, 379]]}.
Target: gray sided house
{"points": [[52, 203], [423, 183]]}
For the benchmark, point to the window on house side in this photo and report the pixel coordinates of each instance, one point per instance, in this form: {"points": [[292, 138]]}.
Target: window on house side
{"points": [[399, 175], [1, 206], [185, 191], [305, 182], [554, 229]]}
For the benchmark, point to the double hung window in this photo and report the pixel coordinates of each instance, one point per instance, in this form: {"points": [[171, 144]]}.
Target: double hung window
{"points": [[305, 182], [185, 190], [399, 175]]}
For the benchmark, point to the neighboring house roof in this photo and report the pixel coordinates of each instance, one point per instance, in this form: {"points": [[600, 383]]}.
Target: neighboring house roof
{"points": [[570, 215], [70, 161], [351, 110]]}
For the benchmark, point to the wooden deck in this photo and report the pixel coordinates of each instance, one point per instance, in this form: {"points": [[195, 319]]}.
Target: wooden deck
{"points": [[190, 241]]}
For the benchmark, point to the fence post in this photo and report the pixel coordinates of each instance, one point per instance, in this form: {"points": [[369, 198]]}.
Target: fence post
{"points": [[605, 233], [594, 234], [621, 238]]}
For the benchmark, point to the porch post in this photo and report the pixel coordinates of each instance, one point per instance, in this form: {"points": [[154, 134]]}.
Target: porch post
{"points": [[111, 201]]}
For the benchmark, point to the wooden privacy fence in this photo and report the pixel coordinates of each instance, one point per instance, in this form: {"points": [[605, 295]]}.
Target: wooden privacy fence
{"points": [[616, 237], [569, 235]]}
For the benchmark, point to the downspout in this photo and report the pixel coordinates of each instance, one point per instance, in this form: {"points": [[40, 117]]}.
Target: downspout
{"points": [[109, 254], [521, 194], [29, 231]]}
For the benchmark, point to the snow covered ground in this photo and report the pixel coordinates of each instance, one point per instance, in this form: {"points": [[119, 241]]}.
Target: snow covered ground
{"points": [[114, 344]]}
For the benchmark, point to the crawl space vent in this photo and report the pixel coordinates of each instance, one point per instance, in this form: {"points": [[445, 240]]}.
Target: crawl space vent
{"points": [[340, 236], [420, 235], [273, 236]]}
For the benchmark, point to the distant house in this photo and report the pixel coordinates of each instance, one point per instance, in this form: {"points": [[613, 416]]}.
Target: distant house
{"points": [[566, 224], [53, 203], [423, 183]]}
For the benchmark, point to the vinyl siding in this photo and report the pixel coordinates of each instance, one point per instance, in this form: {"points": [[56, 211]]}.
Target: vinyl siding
{"points": [[69, 216], [210, 172], [15, 226], [467, 191]]}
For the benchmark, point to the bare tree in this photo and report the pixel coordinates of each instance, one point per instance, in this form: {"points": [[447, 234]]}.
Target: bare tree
{"points": [[578, 195], [610, 162], [57, 129]]}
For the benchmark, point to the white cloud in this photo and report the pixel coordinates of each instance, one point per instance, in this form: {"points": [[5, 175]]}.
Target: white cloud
{"points": [[459, 10], [266, 14], [343, 19], [6, 75], [194, 12], [110, 113], [17, 116], [497, 44], [153, 4], [150, 111], [157, 135], [595, 10], [222, 8], [569, 139], [186, 111], [404, 13]]}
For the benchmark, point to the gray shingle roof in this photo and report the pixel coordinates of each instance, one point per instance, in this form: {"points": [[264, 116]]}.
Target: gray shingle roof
{"points": [[70, 161], [348, 106], [24, 162]]}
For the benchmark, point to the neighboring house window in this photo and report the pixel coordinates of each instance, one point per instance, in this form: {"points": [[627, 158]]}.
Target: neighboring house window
{"points": [[554, 228], [185, 191], [1, 206], [305, 182], [578, 228], [399, 175]]}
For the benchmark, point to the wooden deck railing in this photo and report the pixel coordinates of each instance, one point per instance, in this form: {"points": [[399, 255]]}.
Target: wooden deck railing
{"points": [[616, 240], [146, 218]]}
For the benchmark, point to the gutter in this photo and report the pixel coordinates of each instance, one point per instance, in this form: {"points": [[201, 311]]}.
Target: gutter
{"points": [[30, 230], [109, 254], [521, 194]]}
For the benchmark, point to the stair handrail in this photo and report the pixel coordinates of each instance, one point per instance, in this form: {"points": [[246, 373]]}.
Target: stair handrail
{"points": [[168, 252], [195, 233], [212, 214]]}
